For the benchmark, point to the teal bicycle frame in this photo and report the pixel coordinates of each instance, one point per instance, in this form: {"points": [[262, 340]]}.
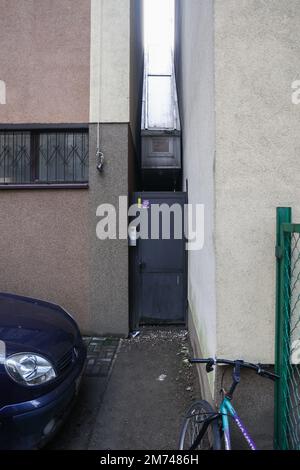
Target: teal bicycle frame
{"points": [[227, 411]]}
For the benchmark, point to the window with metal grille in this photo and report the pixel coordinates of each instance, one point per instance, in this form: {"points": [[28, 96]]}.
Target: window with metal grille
{"points": [[43, 157]]}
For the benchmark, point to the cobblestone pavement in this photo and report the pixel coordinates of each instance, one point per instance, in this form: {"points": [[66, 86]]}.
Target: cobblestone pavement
{"points": [[101, 352], [76, 432]]}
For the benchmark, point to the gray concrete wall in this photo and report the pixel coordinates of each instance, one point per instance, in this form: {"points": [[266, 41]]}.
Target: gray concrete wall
{"points": [[108, 259], [195, 79], [44, 250], [257, 57], [45, 60], [116, 82]]}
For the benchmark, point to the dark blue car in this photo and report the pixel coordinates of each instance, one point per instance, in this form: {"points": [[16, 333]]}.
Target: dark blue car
{"points": [[42, 358]]}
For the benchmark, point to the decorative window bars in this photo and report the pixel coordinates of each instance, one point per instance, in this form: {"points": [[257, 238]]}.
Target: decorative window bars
{"points": [[44, 157]]}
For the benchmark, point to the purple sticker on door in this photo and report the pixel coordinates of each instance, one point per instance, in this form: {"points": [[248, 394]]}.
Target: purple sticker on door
{"points": [[146, 204]]}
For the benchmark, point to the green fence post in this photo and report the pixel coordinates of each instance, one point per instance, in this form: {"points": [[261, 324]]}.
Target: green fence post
{"points": [[284, 215]]}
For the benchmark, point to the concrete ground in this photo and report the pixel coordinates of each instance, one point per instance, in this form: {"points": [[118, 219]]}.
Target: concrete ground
{"points": [[140, 402]]}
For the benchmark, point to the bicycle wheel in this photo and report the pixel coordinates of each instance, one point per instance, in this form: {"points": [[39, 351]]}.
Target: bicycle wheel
{"points": [[193, 424]]}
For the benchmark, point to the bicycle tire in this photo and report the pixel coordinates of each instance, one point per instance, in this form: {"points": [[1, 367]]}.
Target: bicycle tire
{"points": [[192, 426]]}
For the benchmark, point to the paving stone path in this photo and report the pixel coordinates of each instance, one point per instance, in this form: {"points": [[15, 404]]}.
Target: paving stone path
{"points": [[101, 352], [76, 432]]}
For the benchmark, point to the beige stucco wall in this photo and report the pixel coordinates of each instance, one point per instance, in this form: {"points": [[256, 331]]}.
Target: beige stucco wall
{"points": [[71, 61], [110, 61], [45, 60], [195, 80], [238, 59], [257, 56], [44, 239]]}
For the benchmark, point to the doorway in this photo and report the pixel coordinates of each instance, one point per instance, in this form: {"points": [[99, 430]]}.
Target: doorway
{"points": [[159, 265]]}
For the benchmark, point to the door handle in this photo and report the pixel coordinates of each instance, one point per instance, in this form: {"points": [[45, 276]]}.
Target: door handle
{"points": [[142, 265]]}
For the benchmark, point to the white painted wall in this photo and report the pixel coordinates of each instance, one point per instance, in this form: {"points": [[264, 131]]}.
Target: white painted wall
{"points": [[257, 56], [195, 78], [110, 61]]}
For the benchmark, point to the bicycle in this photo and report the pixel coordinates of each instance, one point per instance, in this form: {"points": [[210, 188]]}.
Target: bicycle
{"points": [[203, 427]]}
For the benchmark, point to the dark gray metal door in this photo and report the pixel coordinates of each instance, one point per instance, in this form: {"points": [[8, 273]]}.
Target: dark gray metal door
{"points": [[161, 267]]}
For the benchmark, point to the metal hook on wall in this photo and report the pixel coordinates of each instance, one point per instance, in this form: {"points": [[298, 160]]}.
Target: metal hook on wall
{"points": [[100, 161]]}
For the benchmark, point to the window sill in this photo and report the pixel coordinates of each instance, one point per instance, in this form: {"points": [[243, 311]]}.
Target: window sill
{"points": [[45, 186]]}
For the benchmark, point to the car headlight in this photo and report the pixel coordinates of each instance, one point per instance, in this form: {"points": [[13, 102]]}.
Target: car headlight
{"points": [[29, 369]]}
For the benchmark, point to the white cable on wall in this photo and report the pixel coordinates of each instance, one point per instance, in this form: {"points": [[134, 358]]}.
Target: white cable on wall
{"points": [[97, 7]]}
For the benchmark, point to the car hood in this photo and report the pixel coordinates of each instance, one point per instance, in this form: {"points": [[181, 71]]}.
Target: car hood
{"points": [[31, 325]]}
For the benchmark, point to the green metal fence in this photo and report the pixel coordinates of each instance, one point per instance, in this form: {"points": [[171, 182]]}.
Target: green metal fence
{"points": [[287, 361]]}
